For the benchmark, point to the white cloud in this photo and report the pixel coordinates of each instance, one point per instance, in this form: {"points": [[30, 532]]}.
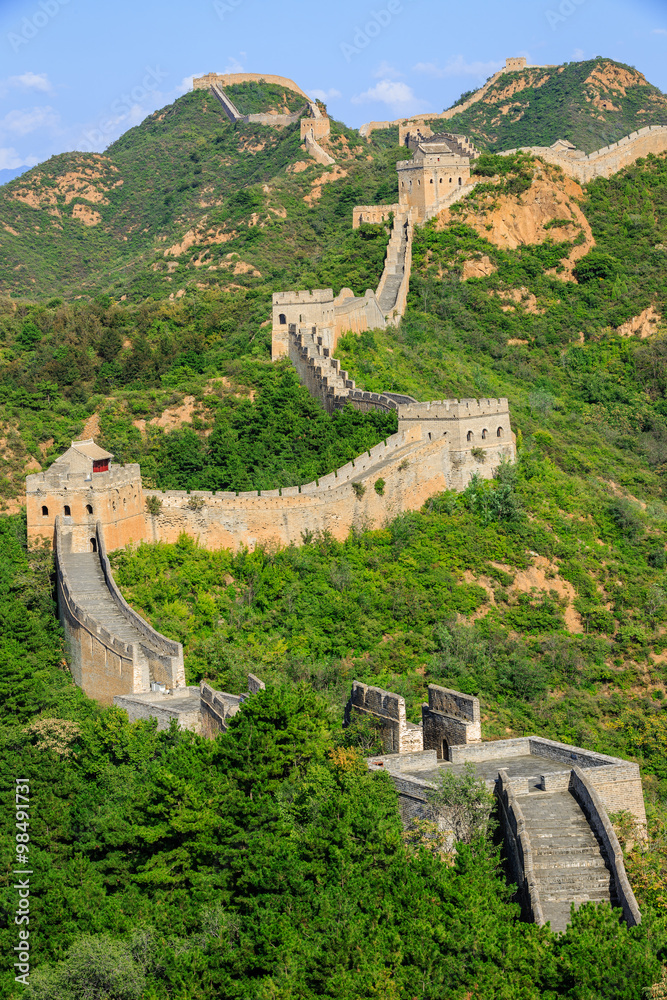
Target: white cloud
{"points": [[233, 66], [325, 95], [660, 31], [29, 120], [186, 84], [27, 81], [11, 160], [387, 72], [32, 81], [459, 67], [578, 55], [398, 96]]}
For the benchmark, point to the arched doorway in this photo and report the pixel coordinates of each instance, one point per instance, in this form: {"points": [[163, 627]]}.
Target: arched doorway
{"points": [[444, 750], [93, 544]]}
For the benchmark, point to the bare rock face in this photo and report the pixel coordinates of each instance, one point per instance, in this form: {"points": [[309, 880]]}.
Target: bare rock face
{"points": [[548, 210]]}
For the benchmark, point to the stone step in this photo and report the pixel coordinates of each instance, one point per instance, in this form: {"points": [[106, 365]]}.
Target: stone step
{"points": [[569, 863]]}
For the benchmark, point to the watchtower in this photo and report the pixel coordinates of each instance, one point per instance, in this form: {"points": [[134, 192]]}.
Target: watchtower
{"points": [[84, 487]]}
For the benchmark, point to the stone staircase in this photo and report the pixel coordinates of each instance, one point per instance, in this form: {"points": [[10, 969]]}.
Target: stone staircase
{"points": [[568, 861], [89, 588], [394, 265]]}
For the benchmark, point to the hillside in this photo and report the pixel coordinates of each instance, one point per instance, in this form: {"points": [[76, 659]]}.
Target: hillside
{"points": [[591, 104], [187, 199], [270, 863]]}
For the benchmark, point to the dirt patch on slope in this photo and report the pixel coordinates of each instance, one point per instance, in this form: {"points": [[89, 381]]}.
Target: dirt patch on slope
{"points": [[541, 577], [480, 267], [90, 177], [199, 236], [510, 221], [88, 216], [336, 174], [645, 325]]}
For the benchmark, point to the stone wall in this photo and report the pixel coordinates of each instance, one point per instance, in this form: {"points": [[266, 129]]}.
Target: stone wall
{"points": [[413, 471], [100, 664], [315, 150], [519, 850], [114, 498], [183, 707], [398, 735], [449, 719], [373, 214], [217, 708], [593, 806], [316, 128], [603, 162], [229, 79]]}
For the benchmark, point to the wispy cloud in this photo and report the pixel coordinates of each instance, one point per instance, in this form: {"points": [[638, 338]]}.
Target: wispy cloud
{"points": [[26, 81], [324, 95], [578, 55], [660, 31], [396, 95], [29, 120], [386, 71], [458, 67], [11, 160]]}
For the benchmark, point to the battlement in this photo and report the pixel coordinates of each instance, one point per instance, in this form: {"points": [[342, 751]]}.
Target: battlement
{"points": [[59, 476], [307, 297]]}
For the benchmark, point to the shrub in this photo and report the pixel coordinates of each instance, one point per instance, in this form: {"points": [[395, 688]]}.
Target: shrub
{"points": [[154, 506], [379, 487], [359, 489]]}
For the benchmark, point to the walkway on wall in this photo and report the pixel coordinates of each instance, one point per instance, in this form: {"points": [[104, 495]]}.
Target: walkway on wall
{"points": [[568, 861], [390, 286], [90, 603], [89, 589]]}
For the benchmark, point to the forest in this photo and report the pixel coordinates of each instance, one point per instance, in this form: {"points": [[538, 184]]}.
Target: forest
{"points": [[270, 863]]}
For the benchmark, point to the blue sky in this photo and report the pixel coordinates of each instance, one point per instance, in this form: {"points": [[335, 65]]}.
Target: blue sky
{"points": [[75, 74]]}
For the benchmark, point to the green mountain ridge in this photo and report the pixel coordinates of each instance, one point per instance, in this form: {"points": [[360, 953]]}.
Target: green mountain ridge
{"points": [[591, 104], [270, 863]]}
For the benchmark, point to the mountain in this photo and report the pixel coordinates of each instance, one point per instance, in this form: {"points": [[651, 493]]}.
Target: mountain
{"points": [[189, 198], [270, 862], [591, 103]]}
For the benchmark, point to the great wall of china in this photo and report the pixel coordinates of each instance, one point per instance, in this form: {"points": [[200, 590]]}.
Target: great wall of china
{"points": [[553, 799]]}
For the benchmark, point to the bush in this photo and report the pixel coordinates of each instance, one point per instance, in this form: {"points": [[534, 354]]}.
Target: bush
{"points": [[154, 506]]}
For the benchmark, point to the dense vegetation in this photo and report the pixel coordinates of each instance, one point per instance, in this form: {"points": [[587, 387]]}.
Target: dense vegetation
{"points": [[259, 97], [267, 863], [591, 103], [187, 200]]}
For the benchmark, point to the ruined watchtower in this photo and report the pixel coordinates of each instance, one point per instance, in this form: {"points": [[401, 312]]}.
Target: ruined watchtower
{"points": [[84, 487]]}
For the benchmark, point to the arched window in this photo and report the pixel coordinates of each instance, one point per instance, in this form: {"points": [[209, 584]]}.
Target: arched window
{"points": [[485, 434], [68, 512], [431, 180], [469, 436], [441, 180], [499, 432], [89, 509], [460, 181], [282, 319], [451, 179], [45, 511], [93, 544]]}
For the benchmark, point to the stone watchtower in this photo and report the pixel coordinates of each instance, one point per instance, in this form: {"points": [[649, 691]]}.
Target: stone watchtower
{"points": [[439, 167], [84, 487]]}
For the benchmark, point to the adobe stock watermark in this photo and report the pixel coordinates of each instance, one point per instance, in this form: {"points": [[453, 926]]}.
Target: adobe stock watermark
{"points": [[364, 34], [225, 7], [95, 137], [22, 885], [31, 26], [564, 10]]}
